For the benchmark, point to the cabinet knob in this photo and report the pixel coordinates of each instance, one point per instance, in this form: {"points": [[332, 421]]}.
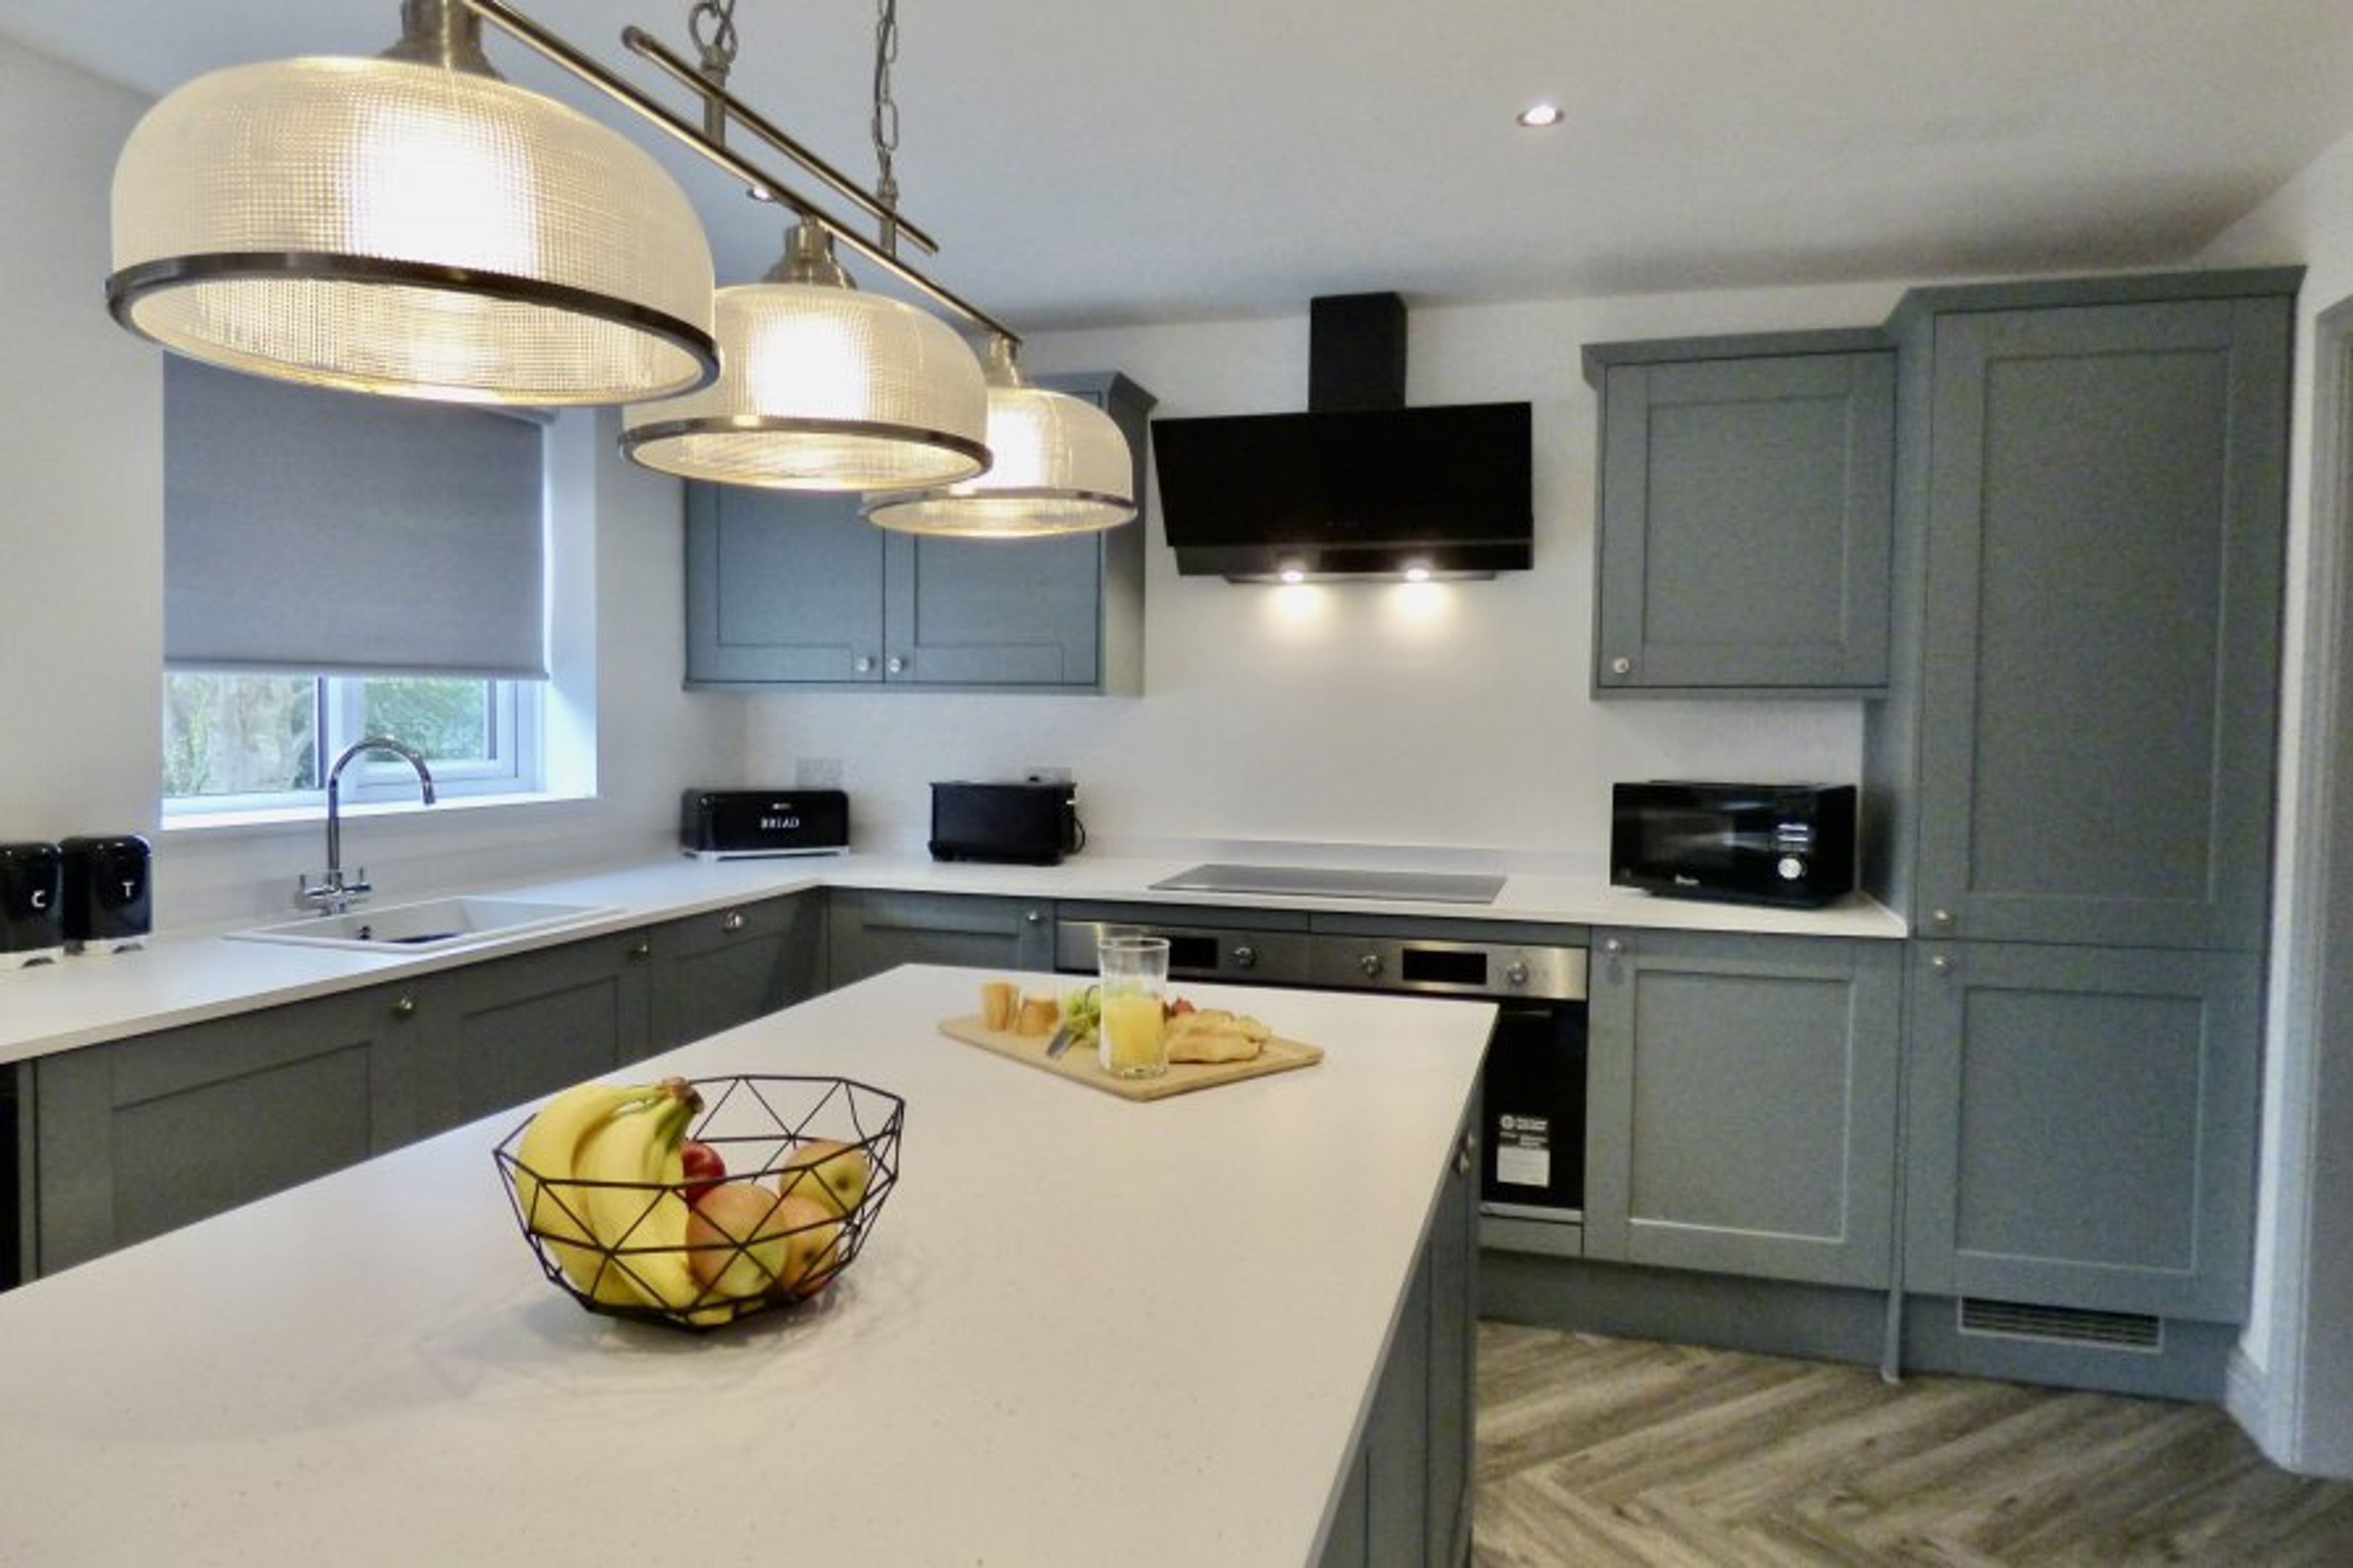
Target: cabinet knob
{"points": [[733, 919], [641, 949], [1621, 664], [404, 1008], [1613, 947], [1371, 965], [1941, 963], [1245, 956], [863, 664], [1035, 917], [1942, 919], [1466, 1154], [894, 665]]}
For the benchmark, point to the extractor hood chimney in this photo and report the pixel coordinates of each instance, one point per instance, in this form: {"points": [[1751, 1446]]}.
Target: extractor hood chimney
{"points": [[1358, 486]]}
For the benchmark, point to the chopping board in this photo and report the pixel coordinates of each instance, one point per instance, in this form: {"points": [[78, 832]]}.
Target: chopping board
{"points": [[1079, 1065]]}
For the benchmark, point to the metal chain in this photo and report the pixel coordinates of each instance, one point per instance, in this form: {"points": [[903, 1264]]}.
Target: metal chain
{"points": [[718, 16], [886, 119]]}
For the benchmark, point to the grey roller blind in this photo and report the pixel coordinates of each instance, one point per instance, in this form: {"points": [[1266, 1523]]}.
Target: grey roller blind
{"points": [[314, 531]]}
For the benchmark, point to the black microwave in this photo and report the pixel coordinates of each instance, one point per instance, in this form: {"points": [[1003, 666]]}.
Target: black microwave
{"points": [[1742, 843]]}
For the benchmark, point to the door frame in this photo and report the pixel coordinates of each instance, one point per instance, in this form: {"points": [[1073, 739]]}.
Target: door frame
{"points": [[2305, 1388]]}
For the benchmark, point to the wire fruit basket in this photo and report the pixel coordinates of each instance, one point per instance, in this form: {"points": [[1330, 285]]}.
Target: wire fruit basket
{"points": [[808, 1163]]}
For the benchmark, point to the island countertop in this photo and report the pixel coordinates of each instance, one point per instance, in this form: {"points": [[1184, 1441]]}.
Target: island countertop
{"points": [[1084, 1330]]}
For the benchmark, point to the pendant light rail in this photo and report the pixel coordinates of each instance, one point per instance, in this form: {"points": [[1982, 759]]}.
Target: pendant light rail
{"points": [[562, 53]]}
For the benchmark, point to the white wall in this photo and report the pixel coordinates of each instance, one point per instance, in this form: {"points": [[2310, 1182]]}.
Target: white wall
{"points": [[1443, 714], [81, 580], [2294, 1390], [82, 422]]}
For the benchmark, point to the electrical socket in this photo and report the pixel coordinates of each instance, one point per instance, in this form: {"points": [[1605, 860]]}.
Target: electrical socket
{"points": [[1040, 774]]}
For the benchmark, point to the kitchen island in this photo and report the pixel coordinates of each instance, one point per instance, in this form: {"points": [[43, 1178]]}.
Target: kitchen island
{"points": [[1084, 1330]]}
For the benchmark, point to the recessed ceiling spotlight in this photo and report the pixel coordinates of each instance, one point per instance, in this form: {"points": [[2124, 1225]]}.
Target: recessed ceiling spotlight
{"points": [[1536, 116]]}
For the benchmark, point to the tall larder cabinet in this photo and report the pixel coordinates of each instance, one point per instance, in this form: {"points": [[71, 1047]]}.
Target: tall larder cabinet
{"points": [[2069, 794]]}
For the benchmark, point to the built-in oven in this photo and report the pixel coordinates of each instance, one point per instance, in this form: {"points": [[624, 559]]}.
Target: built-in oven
{"points": [[1532, 1119]]}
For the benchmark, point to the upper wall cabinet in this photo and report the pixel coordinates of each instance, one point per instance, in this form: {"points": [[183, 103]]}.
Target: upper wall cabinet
{"points": [[1746, 491], [797, 589]]}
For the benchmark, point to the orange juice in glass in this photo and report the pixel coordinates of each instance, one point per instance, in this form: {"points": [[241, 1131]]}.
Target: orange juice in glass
{"points": [[1129, 1038]]}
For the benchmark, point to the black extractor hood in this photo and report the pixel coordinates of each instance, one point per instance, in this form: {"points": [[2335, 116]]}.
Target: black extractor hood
{"points": [[1358, 486]]}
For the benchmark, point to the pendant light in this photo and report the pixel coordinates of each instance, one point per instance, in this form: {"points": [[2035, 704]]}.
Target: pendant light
{"points": [[822, 387], [1060, 466], [409, 225]]}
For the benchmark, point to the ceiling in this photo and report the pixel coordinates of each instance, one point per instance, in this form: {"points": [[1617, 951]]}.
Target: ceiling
{"points": [[1107, 161]]}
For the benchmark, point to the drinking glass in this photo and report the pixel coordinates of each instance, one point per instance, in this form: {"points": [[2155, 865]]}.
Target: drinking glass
{"points": [[1129, 1041]]}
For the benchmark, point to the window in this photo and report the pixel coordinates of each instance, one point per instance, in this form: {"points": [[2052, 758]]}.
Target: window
{"points": [[242, 742], [338, 566]]}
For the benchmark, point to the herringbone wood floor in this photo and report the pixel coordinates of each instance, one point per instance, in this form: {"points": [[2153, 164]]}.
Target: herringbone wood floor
{"points": [[1598, 1451]]}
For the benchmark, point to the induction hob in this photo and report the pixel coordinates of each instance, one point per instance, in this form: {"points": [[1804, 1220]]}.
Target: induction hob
{"points": [[1324, 882]]}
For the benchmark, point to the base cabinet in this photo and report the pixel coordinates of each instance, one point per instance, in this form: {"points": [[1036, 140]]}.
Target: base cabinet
{"points": [[867, 933], [2082, 1124], [147, 1134], [490, 1036], [1741, 1104], [1408, 1497], [726, 967], [144, 1135]]}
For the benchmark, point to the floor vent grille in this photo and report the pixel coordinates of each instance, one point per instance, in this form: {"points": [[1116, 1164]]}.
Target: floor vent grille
{"points": [[2063, 1325]]}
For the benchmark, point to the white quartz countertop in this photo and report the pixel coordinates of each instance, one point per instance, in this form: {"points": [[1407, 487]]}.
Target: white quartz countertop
{"points": [[1085, 1331], [186, 976]]}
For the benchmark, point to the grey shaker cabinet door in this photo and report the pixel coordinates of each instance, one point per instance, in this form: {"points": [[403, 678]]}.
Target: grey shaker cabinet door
{"points": [[781, 588], [727, 966], [787, 588], [1744, 523], [2105, 495], [1741, 1104], [2082, 1127], [1407, 1499], [493, 1035], [144, 1135]]}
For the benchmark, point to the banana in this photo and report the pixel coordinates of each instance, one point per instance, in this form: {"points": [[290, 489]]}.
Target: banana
{"points": [[633, 1169], [552, 1207]]}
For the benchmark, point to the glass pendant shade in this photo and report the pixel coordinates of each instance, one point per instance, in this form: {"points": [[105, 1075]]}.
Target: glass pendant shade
{"points": [[823, 388], [1060, 466], [399, 227]]}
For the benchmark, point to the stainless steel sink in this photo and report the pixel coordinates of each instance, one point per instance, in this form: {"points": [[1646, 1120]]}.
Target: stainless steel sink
{"points": [[427, 926]]}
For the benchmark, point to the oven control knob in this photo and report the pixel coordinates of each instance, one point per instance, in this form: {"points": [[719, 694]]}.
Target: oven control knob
{"points": [[1245, 956], [1790, 868], [1515, 973], [1371, 965]]}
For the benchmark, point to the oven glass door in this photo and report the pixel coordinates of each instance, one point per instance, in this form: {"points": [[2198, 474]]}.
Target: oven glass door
{"points": [[1532, 1147]]}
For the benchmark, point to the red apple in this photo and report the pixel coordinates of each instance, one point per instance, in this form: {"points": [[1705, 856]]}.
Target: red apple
{"points": [[704, 1168]]}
